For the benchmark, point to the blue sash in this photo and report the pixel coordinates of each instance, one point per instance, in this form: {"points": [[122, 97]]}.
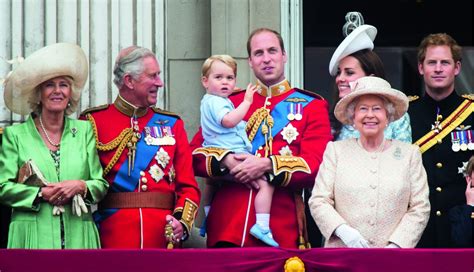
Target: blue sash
{"points": [[143, 156], [279, 114]]}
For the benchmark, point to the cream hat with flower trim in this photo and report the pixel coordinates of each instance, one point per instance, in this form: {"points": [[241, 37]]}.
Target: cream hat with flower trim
{"points": [[371, 85], [60, 59]]}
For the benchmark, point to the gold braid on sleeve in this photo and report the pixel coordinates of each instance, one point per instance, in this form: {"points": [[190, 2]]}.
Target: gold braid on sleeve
{"points": [[119, 143]]}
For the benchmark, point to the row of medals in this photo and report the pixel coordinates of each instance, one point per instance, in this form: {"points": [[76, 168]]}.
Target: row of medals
{"points": [[462, 140], [161, 135], [295, 111]]}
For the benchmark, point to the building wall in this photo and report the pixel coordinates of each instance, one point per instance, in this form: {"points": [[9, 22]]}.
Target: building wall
{"points": [[181, 33]]}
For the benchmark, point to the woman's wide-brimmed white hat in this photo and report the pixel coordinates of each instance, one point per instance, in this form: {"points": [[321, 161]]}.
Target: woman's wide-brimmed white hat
{"points": [[371, 85], [360, 38], [60, 59]]}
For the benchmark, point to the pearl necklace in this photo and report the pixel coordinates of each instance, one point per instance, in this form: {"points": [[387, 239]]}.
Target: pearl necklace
{"points": [[379, 149], [46, 133]]}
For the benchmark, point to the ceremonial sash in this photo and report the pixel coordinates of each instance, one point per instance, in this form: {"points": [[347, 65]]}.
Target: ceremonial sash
{"points": [[144, 154], [449, 124], [279, 114]]}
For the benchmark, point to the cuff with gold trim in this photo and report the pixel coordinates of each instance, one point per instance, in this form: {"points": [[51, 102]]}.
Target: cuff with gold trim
{"points": [[283, 167], [186, 216], [214, 156]]}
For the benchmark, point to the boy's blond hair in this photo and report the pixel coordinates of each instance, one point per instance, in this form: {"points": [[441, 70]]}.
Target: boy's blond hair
{"points": [[226, 59]]}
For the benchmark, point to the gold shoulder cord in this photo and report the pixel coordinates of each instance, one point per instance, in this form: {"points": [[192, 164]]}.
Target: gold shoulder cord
{"points": [[261, 115], [120, 142]]}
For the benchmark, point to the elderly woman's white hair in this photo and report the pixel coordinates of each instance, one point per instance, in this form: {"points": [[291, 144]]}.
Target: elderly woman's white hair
{"points": [[389, 109], [395, 102]]}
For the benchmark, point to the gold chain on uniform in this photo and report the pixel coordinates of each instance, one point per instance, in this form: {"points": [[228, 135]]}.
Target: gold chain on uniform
{"points": [[120, 142], [261, 117]]}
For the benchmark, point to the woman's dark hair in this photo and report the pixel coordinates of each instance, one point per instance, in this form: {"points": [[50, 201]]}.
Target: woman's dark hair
{"points": [[371, 65]]}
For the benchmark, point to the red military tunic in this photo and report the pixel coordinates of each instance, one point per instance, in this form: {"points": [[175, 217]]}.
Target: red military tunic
{"points": [[297, 151], [169, 172]]}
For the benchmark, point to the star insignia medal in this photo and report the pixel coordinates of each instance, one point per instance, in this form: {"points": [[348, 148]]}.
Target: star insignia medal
{"points": [[156, 173], [462, 169], [289, 133], [285, 151], [162, 157]]}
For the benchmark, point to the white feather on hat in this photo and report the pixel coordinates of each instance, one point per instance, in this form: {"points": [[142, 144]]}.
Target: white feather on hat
{"points": [[361, 37], [371, 85], [60, 59]]}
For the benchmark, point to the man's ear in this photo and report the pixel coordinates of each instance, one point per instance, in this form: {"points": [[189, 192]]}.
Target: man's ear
{"points": [[128, 81], [420, 68]]}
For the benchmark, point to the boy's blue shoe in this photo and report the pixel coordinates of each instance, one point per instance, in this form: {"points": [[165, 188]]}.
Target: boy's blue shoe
{"points": [[202, 230], [264, 236]]}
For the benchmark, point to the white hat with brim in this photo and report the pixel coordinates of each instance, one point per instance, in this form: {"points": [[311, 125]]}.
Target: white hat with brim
{"points": [[360, 38], [60, 59], [371, 85]]}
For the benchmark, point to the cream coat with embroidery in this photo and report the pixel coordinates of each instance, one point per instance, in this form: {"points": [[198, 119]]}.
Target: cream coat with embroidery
{"points": [[382, 195]]}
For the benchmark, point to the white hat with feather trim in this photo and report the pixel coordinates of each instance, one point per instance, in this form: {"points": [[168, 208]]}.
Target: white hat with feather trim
{"points": [[361, 37]]}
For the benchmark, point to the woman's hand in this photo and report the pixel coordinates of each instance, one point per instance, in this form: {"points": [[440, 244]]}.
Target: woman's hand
{"points": [[62, 192], [351, 237]]}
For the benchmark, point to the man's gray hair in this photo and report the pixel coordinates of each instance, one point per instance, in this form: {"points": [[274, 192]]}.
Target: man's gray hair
{"points": [[130, 61], [389, 108]]}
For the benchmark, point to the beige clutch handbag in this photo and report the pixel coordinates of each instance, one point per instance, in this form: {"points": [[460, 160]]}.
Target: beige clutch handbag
{"points": [[30, 174]]}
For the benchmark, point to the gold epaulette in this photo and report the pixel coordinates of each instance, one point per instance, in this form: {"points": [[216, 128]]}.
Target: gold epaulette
{"points": [[313, 94], [412, 98], [94, 109], [169, 113], [468, 96]]}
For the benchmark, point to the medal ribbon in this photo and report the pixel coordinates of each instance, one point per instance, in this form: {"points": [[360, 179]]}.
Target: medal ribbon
{"points": [[279, 114]]}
